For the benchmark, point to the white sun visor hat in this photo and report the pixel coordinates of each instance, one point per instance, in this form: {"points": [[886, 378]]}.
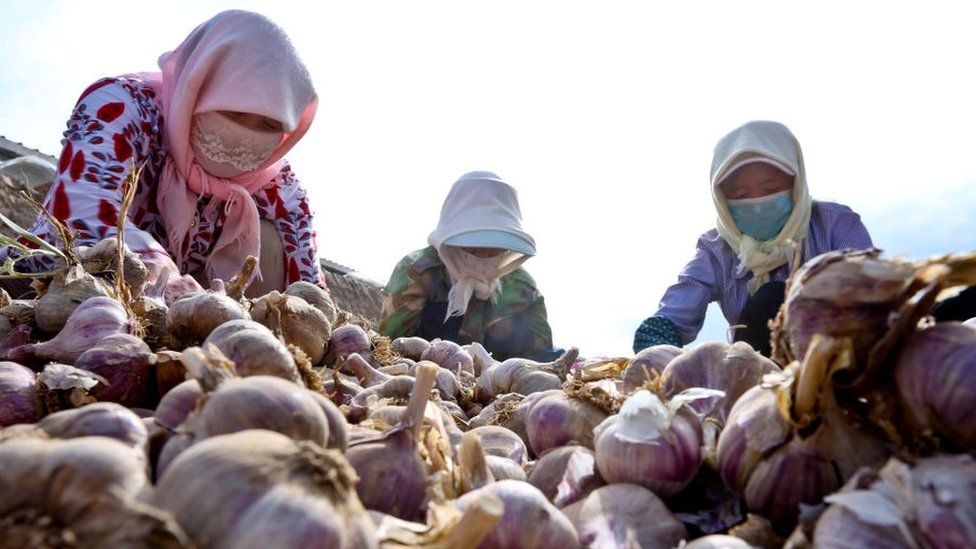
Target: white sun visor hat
{"points": [[492, 239], [753, 160]]}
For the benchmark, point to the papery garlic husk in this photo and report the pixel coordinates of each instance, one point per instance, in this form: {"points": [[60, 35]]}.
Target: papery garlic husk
{"points": [[314, 296], [648, 443], [63, 387], [69, 288], [550, 471], [529, 519], [449, 355], [396, 476], [499, 441], [627, 515], [560, 419], [254, 350], [410, 347], [935, 374], [84, 491], [193, 317], [299, 323], [647, 365], [520, 375], [19, 311], [19, 401], [89, 323], [126, 362], [730, 368], [267, 486]]}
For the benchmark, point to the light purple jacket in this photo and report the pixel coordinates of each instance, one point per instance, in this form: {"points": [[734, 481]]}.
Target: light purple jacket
{"points": [[712, 275]]}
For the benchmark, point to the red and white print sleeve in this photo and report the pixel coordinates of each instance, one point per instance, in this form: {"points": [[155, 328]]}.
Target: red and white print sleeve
{"points": [[109, 134], [286, 205]]}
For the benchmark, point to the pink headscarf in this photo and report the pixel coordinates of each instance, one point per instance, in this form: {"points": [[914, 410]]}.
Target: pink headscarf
{"points": [[237, 61]]}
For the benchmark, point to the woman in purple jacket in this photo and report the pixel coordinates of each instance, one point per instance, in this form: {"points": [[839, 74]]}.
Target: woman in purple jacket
{"points": [[759, 189]]}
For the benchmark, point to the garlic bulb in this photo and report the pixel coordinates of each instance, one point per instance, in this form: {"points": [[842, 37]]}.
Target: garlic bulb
{"points": [[125, 361], [523, 376], [70, 287], [254, 350], [449, 355], [559, 419], [297, 322], [192, 318], [549, 473], [255, 487], [649, 444], [19, 401], [314, 296], [647, 365], [410, 347], [529, 520], [499, 441], [89, 323]]}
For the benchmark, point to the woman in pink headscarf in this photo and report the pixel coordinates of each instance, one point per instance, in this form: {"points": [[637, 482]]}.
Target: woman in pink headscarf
{"points": [[210, 129]]}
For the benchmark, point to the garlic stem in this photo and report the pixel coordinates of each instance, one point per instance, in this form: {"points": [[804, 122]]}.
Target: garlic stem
{"points": [[819, 356], [426, 373]]}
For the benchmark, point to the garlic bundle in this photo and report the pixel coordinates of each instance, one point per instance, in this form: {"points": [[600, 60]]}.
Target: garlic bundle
{"points": [[649, 443], [262, 489], [87, 491], [297, 322]]}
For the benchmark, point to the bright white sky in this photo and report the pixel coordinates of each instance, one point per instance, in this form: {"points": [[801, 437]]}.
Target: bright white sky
{"points": [[602, 114]]}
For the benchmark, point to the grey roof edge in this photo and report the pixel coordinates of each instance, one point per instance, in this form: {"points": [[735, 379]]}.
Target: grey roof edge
{"points": [[19, 149]]}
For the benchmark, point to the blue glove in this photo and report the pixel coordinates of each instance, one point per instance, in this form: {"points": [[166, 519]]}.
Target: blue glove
{"points": [[656, 330]]}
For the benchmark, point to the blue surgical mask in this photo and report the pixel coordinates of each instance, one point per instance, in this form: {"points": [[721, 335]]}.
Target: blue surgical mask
{"points": [[764, 217]]}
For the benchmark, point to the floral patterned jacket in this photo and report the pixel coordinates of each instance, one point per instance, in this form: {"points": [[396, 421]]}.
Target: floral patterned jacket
{"points": [[116, 125]]}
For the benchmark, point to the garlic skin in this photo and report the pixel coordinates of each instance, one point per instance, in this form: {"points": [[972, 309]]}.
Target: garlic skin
{"points": [[559, 419], [346, 340], [89, 323], [266, 485], [649, 444], [501, 442], [935, 374], [101, 419], [549, 472]]}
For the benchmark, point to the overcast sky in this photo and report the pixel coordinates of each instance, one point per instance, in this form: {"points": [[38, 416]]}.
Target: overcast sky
{"points": [[602, 114]]}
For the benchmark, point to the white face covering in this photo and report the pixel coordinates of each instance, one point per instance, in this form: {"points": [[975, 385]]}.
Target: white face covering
{"points": [[224, 148], [471, 276]]}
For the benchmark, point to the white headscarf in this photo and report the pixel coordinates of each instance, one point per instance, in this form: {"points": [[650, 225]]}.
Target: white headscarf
{"points": [[478, 201], [775, 141]]}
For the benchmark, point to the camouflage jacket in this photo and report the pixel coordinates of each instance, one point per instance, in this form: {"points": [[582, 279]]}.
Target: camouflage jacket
{"points": [[415, 302]]}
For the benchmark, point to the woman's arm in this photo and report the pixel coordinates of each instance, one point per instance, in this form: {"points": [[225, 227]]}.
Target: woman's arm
{"points": [[285, 204], [109, 134], [681, 313], [403, 302]]}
